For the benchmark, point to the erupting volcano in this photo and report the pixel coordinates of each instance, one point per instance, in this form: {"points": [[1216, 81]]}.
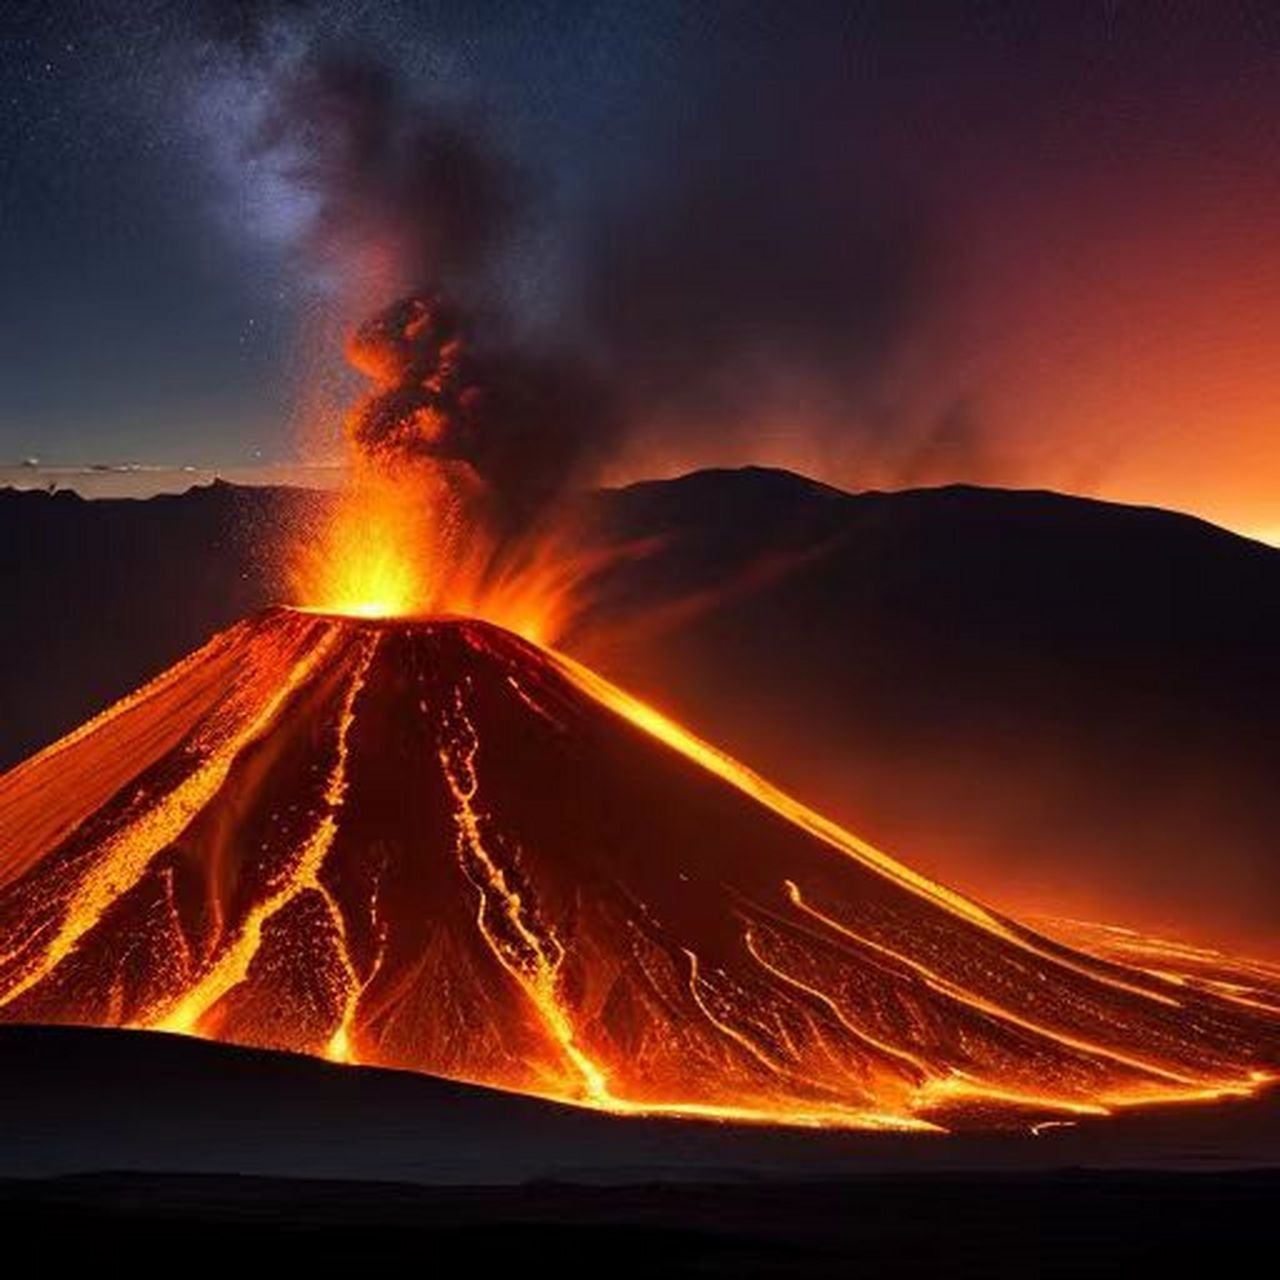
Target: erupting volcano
{"points": [[400, 830], [428, 843]]}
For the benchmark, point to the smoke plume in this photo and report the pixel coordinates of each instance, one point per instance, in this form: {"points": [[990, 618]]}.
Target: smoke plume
{"points": [[406, 212], [758, 277], [522, 422], [772, 280], [401, 196]]}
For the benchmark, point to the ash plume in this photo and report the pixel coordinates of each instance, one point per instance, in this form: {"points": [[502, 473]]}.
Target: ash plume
{"points": [[771, 275], [409, 210], [521, 422], [401, 195], [748, 286], [709, 298]]}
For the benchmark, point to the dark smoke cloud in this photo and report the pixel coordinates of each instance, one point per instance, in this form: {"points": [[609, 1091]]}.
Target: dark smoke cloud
{"points": [[411, 208], [730, 277], [760, 264], [772, 265], [522, 421], [392, 178]]}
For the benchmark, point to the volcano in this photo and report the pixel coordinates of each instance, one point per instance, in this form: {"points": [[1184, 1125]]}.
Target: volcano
{"points": [[430, 844]]}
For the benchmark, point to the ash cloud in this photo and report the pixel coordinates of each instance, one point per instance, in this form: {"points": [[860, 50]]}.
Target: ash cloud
{"points": [[522, 421], [728, 278], [755, 268], [773, 271], [399, 189], [411, 209]]}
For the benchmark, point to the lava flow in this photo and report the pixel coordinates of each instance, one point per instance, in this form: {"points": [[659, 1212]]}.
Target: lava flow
{"points": [[431, 844]]}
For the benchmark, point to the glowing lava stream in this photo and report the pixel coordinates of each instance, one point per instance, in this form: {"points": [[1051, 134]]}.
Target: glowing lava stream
{"points": [[127, 856], [681, 740], [431, 845], [235, 961], [538, 974]]}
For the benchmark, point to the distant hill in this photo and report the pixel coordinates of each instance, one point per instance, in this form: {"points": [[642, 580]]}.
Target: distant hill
{"points": [[1055, 702], [99, 595], [1050, 701]]}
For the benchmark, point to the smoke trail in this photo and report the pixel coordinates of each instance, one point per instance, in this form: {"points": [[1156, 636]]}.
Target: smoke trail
{"points": [[752, 278], [405, 208], [521, 421]]}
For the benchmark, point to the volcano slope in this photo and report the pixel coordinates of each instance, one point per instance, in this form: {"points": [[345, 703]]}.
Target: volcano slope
{"points": [[432, 845]]}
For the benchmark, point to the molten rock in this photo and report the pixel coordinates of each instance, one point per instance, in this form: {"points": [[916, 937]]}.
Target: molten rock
{"points": [[433, 845]]}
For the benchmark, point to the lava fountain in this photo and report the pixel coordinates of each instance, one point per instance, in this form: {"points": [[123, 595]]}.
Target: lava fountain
{"points": [[455, 458]]}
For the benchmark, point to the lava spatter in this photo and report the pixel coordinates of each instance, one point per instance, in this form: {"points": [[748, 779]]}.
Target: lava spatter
{"points": [[429, 844]]}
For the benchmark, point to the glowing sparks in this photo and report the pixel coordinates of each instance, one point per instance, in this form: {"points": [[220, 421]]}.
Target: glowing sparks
{"points": [[403, 544], [369, 561]]}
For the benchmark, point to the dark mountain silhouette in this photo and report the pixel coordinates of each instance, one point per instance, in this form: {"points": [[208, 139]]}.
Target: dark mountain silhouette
{"points": [[106, 1154], [336, 1170], [1060, 704]]}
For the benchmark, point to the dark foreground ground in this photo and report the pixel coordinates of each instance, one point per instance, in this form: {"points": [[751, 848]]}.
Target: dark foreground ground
{"points": [[1025, 1225], [136, 1154]]}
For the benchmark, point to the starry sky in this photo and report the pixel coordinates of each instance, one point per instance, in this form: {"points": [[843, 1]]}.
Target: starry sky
{"points": [[884, 244]]}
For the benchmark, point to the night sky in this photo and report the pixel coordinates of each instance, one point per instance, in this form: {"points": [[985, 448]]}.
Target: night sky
{"points": [[885, 244]]}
